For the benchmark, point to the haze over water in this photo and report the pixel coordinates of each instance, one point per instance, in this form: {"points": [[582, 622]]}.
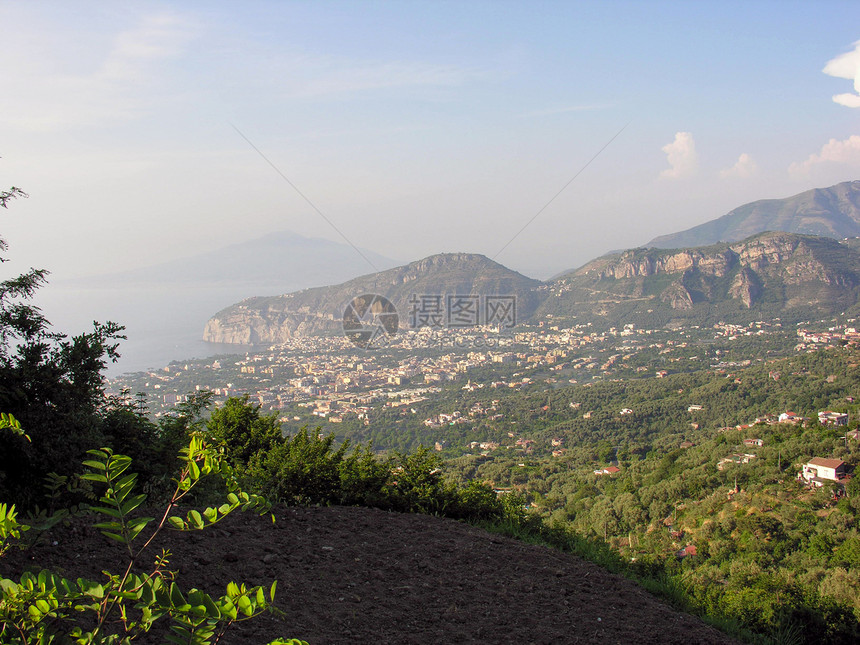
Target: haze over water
{"points": [[162, 324]]}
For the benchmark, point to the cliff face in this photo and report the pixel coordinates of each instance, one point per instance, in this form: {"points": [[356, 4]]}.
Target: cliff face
{"points": [[775, 273], [320, 310], [631, 266], [247, 325]]}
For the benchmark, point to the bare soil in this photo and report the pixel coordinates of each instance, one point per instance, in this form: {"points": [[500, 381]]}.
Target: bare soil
{"points": [[359, 575]]}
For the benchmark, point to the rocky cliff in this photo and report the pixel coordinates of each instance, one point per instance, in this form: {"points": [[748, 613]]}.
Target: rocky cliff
{"points": [[773, 273]]}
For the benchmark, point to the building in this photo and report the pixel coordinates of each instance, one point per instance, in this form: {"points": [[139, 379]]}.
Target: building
{"points": [[819, 471], [828, 418], [791, 417]]}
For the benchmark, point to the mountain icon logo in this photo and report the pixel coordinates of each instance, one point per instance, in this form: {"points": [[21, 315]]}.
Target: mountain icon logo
{"points": [[370, 320]]}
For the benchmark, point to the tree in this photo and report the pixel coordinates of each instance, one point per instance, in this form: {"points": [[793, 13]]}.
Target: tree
{"points": [[242, 431], [51, 383]]}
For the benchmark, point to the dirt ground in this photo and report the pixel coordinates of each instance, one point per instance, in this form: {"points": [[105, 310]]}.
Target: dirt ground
{"points": [[358, 575]]}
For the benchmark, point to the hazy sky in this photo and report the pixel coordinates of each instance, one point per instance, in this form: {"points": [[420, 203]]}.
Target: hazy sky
{"points": [[415, 127]]}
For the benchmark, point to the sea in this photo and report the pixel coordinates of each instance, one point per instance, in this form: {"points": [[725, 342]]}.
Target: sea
{"points": [[163, 323]]}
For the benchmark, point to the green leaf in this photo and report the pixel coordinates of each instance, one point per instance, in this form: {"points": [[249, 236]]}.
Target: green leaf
{"points": [[176, 522], [115, 536], [211, 607], [97, 465], [194, 519], [94, 590], [245, 606], [229, 609], [132, 503], [106, 511], [136, 526], [176, 597], [272, 591]]}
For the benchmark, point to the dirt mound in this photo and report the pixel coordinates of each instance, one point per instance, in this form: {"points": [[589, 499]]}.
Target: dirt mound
{"points": [[358, 575]]}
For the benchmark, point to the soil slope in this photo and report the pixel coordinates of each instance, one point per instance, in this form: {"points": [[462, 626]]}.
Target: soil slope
{"points": [[358, 575]]}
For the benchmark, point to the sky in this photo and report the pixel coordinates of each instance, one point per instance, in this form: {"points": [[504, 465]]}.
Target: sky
{"points": [[541, 134]]}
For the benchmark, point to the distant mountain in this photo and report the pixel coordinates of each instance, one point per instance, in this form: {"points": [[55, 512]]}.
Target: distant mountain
{"points": [[275, 263], [829, 212], [765, 276], [320, 310], [769, 275]]}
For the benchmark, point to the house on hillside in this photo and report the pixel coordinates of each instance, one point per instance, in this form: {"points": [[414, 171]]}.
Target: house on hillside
{"points": [[737, 458], [609, 470], [819, 471], [754, 443], [828, 418], [791, 417], [767, 419], [688, 550]]}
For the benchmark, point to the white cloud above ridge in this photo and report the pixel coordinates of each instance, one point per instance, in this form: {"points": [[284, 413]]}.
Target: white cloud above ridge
{"points": [[834, 151], [744, 167], [682, 157], [846, 66]]}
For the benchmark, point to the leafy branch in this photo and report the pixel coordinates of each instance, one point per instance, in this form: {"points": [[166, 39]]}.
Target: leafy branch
{"points": [[45, 608]]}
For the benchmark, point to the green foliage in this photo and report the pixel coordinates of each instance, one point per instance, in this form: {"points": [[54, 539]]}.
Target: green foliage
{"points": [[304, 469], [7, 421], [47, 608], [309, 468], [10, 529], [242, 431]]}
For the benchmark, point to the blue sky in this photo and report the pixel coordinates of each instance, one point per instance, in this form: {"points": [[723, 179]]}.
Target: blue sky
{"points": [[415, 127]]}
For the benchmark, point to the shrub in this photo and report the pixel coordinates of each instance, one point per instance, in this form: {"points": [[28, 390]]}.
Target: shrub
{"points": [[47, 608]]}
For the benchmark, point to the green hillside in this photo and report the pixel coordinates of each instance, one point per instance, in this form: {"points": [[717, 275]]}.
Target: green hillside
{"points": [[765, 276]]}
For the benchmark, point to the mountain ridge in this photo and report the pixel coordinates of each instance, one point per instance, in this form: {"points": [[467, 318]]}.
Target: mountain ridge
{"points": [[770, 274], [320, 310], [828, 212]]}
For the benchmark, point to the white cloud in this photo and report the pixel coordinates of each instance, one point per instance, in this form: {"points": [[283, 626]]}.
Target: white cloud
{"points": [[90, 82], [744, 167], [834, 151], [846, 65], [156, 37], [681, 155]]}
